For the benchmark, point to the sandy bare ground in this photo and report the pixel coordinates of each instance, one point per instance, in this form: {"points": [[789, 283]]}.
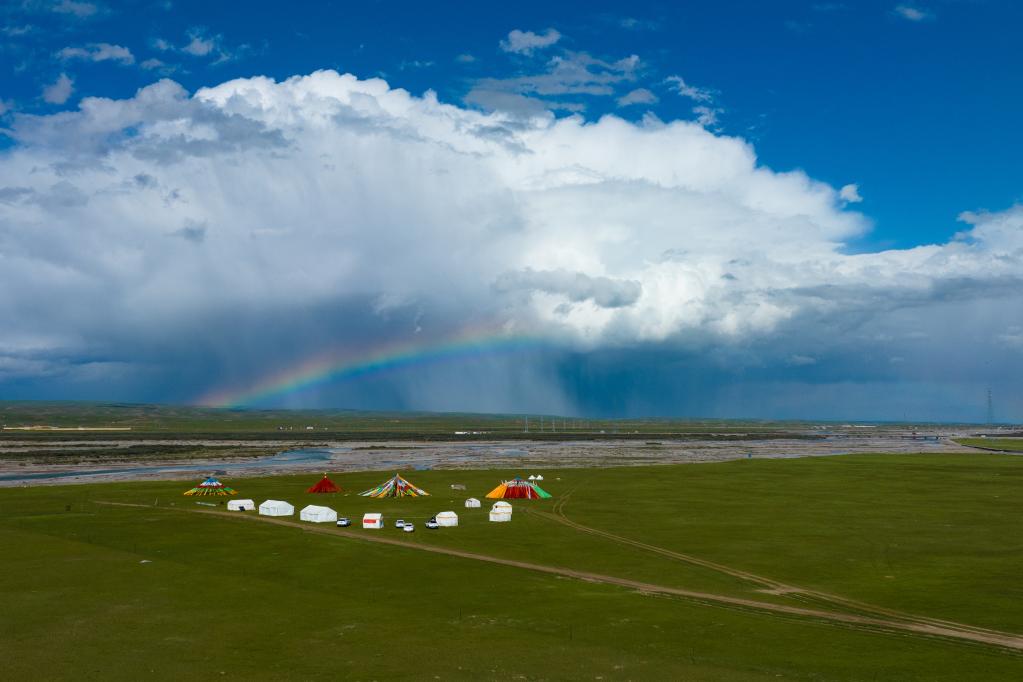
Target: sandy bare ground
{"points": [[926, 627], [406, 455]]}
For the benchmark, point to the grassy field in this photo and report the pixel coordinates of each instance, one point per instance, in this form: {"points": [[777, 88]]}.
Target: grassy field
{"points": [[1003, 444], [939, 536]]}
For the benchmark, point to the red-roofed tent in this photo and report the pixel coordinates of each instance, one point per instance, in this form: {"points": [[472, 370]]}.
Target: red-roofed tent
{"points": [[324, 485]]}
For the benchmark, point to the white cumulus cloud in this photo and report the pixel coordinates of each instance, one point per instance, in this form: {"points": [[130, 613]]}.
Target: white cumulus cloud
{"points": [[59, 91], [686, 90], [637, 96], [527, 42], [99, 52], [129, 228], [81, 10], [850, 193]]}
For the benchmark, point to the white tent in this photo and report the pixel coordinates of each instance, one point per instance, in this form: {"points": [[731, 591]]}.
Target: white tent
{"points": [[472, 503], [500, 516], [447, 519], [372, 520], [532, 477], [318, 514], [539, 477], [276, 508], [241, 505], [502, 507]]}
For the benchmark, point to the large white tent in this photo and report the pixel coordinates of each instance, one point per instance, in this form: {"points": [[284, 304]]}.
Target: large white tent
{"points": [[501, 512], [500, 516], [447, 519], [472, 503], [372, 520], [241, 505], [276, 508], [318, 514]]}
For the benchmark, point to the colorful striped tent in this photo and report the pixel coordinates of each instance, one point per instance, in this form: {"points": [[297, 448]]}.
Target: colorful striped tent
{"points": [[395, 487], [324, 485], [518, 489], [211, 486]]}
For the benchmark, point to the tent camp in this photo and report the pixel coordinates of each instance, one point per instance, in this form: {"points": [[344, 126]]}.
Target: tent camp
{"points": [[447, 519], [372, 520], [318, 514], [211, 486], [472, 503], [276, 508], [395, 486], [241, 505], [518, 488], [324, 485]]}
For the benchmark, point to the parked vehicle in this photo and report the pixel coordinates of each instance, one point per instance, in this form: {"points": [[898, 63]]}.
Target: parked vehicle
{"points": [[408, 528], [400, 523], [432, 525], [344, 522]]}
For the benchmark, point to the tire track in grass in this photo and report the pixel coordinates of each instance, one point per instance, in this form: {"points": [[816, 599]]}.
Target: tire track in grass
{"points": [[769, 585], [1003, 640]]}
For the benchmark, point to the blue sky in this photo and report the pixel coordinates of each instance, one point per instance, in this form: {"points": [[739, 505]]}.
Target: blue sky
{"points": [[906, 112]]}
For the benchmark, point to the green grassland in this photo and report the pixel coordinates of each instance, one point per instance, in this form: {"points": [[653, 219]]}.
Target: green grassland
{"points": [[1002, 444], [932, 535]]}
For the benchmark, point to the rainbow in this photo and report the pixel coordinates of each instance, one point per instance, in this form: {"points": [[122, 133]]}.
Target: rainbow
{"points": [[334, 366]]}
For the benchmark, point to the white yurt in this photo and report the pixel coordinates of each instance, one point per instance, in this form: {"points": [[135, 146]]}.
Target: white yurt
{"points": [[447, 519], [318, 514], [276, 508], [472, 503], [502, 506], [241, 505], [532, 477], [372, 520], [500, 516], [539, 477]]}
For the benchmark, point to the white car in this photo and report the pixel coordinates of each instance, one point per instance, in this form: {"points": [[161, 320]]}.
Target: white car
{"points": [[432, 525], [400, 523], [408, 528], [344, 522]]}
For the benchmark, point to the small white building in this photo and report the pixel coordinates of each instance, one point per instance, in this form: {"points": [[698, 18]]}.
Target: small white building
{"points": [[276, 508], [318, 514], [472, 503], [241, 505], [448, 519], [372, 520]]}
